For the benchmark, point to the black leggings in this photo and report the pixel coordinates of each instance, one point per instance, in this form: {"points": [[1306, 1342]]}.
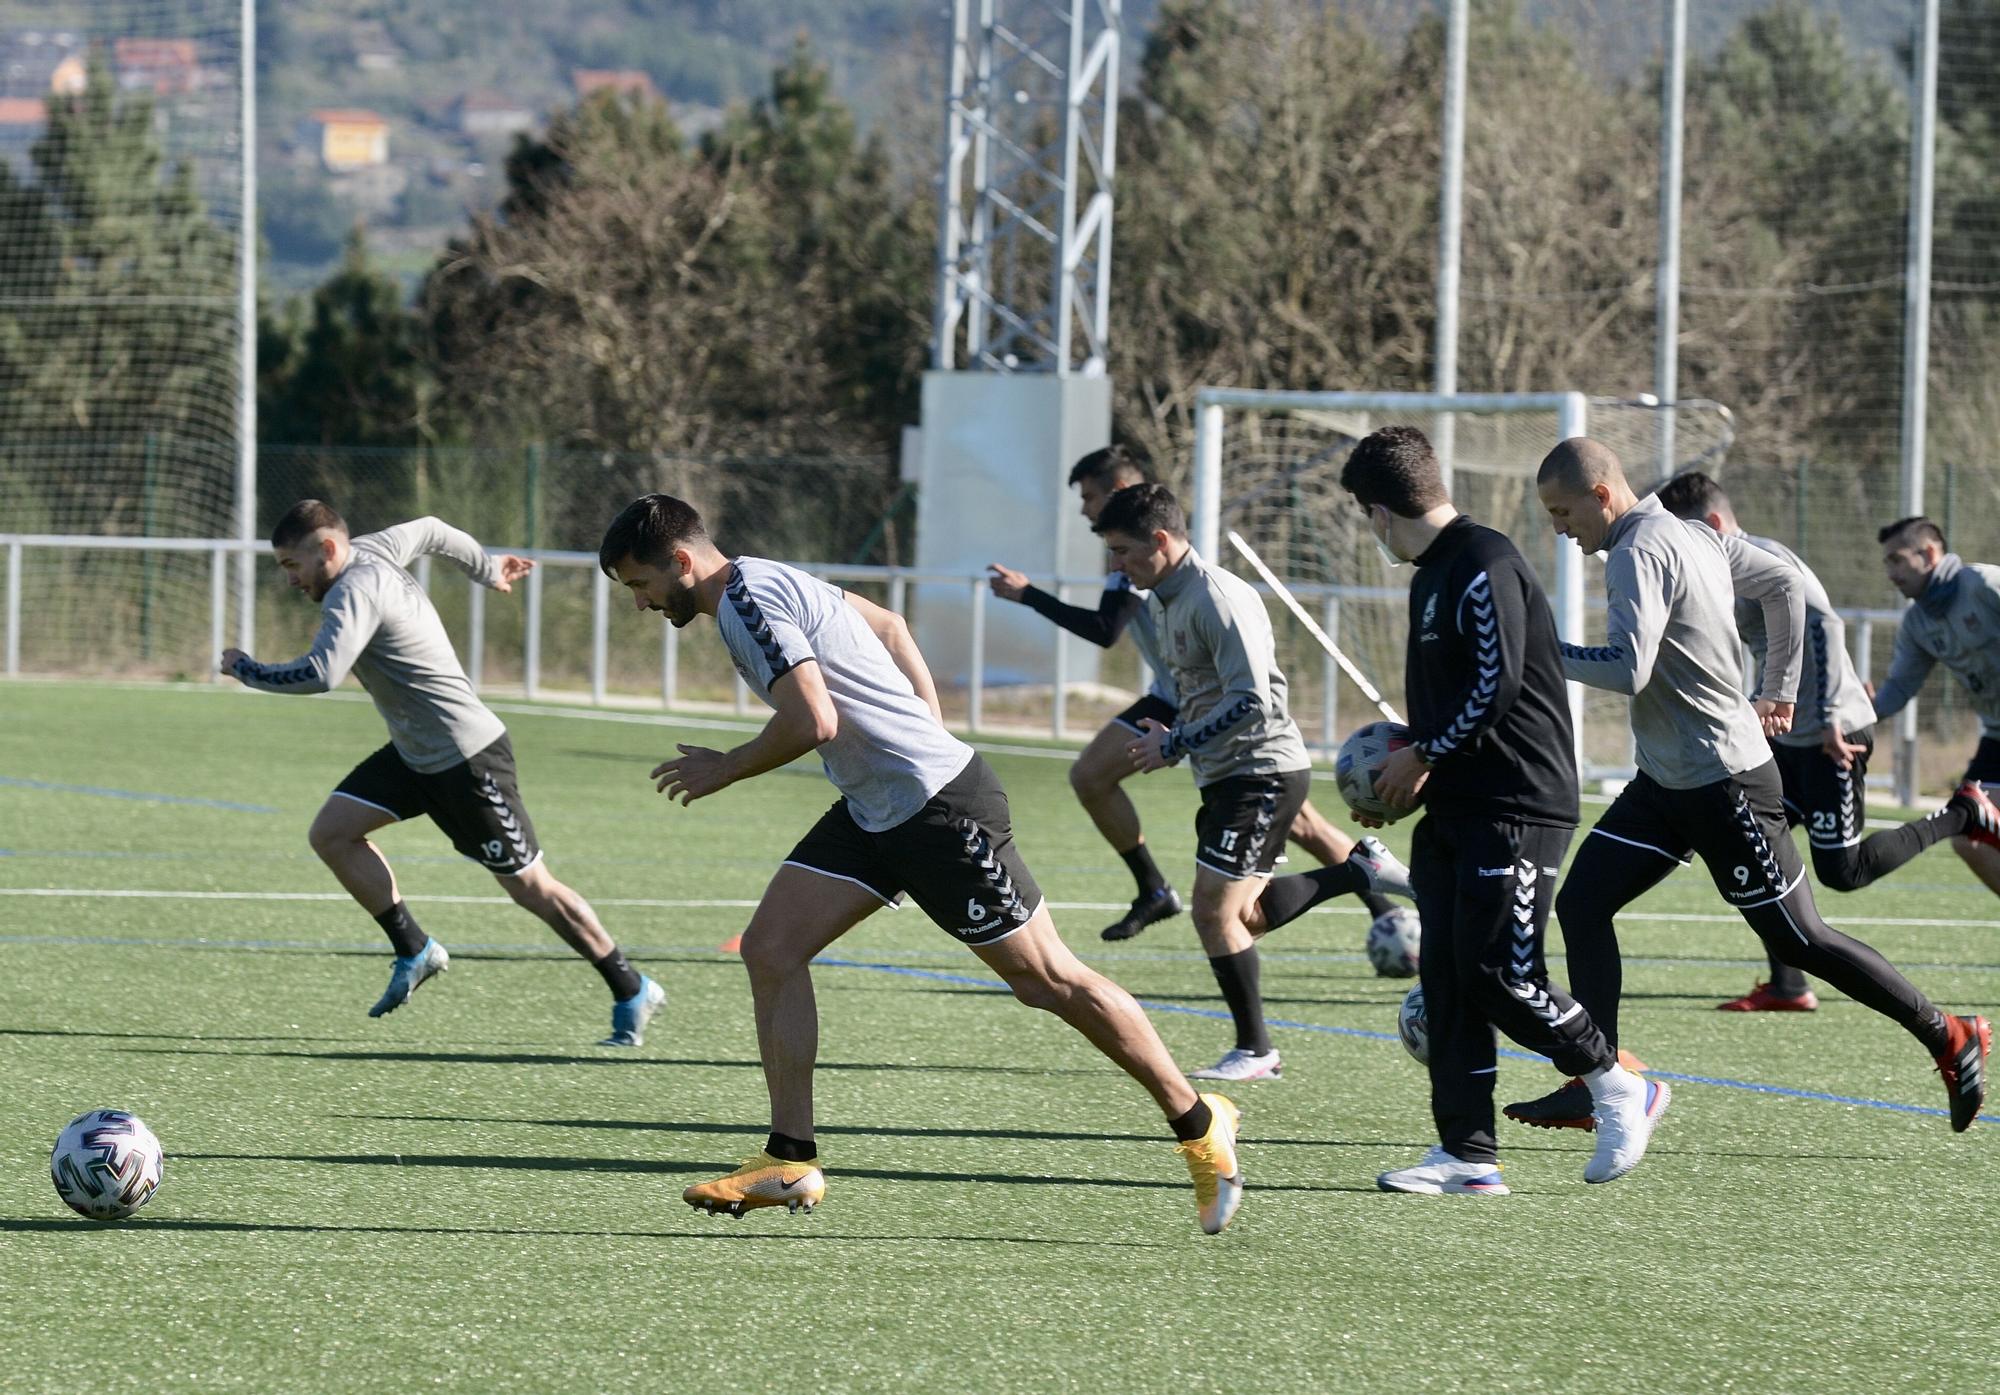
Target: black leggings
{"points": [[1737, 828]]}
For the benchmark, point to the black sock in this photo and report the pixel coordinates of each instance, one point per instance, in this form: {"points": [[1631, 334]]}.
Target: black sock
{"points": [[1140, 860], [402, 929], [1285, 899], [1193, 1124], [1237, 976], [1378, 905], [1932, 1032], [620, 977], [785, 1148]]}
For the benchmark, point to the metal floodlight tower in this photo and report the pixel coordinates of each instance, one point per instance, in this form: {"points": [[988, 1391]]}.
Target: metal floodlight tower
{"points": [[1024, 243]]}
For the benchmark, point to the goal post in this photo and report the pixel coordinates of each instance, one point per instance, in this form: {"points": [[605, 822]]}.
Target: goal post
{"points": [[1266, 465], [1569, 413]]}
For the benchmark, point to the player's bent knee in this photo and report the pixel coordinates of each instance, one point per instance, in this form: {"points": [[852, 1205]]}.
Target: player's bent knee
{"points": [[1838, 871]]}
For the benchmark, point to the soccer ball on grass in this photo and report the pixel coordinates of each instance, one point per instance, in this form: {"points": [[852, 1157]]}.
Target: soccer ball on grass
{"points": [[106, 1165], [1413, 1025], [1393, 943]]}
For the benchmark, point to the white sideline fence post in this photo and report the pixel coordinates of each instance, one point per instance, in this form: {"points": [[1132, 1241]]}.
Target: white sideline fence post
{"points": [[976, 679], [13, 609], [670, 663], [218, 611], [475, 641], [600, 634], [531, 660]]}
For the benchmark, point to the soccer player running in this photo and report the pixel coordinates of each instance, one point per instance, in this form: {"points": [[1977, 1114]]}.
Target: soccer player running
{"points": [[1954, 620], [1103, 765], [1250, 762], [448, 757], [1707, 783], [1492, 755], [1823, 759], [920, 813]]}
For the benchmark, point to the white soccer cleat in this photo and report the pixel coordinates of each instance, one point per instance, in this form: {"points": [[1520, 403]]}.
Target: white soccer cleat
{"points": [[629, 1018], [1386, 873], [1628, 1108], [408, 974], [1445, 1174], [1238, 1064]]}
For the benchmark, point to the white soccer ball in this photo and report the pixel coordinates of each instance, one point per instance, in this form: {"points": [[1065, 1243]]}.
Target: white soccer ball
{"points": [[1360, 761], [1394, 940], [1413, 1025], [106, 1165]]}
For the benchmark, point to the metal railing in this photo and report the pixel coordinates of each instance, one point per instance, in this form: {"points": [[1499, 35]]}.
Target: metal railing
{"points": [[895, 581]]}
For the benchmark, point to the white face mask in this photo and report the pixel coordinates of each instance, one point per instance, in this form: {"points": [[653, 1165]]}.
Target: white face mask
{"points": [[1381, 538]]}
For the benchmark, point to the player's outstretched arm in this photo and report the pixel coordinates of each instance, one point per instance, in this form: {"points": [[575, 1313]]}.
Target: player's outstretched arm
{"points": [[434, 537], [1909, 665], [1102, 626], [345, 628], [802, 720], [894, 632], [1635, 585]]}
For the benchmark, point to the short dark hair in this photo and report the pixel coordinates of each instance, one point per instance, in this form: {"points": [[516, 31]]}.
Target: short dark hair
{"points": [[1110, 462], [1691, 494], [303, 519], [1396, 468], [1922, 529], [649, 528], [1141, 510]]}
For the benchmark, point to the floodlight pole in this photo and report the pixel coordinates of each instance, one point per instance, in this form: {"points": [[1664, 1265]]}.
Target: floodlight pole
{"points": [[1011, 203], [1451, 210], [1917, 333], [246, 334], [1667, 329]]}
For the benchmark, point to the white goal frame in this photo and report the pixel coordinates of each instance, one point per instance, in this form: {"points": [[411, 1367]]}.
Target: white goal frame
{"points": [[1572, 413]]}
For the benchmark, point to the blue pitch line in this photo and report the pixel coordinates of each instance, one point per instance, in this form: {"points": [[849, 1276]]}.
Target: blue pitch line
{"points": [[1723, 1082], [136, 795]]}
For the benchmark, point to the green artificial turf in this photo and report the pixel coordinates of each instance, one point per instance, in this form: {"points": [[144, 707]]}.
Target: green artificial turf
{"points": [[470, 1196]]}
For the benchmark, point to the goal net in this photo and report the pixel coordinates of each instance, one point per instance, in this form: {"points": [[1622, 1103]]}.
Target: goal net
{"points": [[121, 229], [1267, 466]]}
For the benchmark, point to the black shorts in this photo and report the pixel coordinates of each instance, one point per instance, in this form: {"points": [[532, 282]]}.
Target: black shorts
{"points": [[1737, 826], [1241, 826], [955, 857], [476, 802], [1151, 705], [1985, 767], [1829, 801]]}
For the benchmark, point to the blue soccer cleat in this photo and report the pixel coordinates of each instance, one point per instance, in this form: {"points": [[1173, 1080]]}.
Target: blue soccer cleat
{"points": [[629, 1018], [410, 971]]}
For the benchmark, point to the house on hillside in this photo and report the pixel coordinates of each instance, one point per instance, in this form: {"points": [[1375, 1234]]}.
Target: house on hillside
{"points": [[163, 67], [351, 139], [629, 83], [33, 63], [374, 50], [485, 115]]}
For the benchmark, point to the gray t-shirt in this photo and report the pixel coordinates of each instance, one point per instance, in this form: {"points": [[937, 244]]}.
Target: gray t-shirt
{"points": [[1956, 622], [376, 621], [1829, 688], [1670, 642], [1215, 637], [890, 755]]}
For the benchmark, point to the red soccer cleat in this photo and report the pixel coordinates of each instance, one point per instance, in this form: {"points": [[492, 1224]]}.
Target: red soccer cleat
{"points": [[1985, 825], [1761, 999], [1962, 1063]]}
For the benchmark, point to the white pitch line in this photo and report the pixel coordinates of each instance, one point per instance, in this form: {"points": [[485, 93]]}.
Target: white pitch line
{"points": [[695, 903]]}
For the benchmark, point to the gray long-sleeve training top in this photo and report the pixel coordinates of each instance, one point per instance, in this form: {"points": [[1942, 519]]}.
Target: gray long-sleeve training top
{"points": [[1955, 622], [1671, 642], [376, 621], [1215, 639]]}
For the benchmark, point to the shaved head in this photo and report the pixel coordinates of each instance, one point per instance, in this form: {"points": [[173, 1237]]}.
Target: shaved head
{"points": [[1578, 463]]}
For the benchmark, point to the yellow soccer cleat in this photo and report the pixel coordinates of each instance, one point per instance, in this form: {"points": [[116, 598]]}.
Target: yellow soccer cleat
{"points": [[762, 1181], [1211, 1160]]}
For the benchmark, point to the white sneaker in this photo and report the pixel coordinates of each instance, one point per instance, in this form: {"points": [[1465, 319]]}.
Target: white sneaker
{"points": [[629, 1017], [1385, 871], [1444, 1174], [1628, 1108], [408, 974], [1238, 1064]]}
